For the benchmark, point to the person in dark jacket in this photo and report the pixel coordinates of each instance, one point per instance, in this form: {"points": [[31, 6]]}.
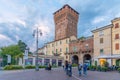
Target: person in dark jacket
{"points": [[69, 70], [85, 69], [80, 69]]}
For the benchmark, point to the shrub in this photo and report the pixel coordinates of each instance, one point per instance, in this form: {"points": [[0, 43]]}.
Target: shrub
{"points": [[104, 69], [54, 66], [118, 70], [98, 68], [74, 65], [42, 66], [13, 67], [29, 67], [92, 67]]}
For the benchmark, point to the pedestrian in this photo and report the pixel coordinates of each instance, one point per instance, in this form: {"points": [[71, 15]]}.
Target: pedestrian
{"points": [[66, 66], [85, 69], [80, 69], [69, 70]]}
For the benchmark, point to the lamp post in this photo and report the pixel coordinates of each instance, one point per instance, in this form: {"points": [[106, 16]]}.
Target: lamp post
{"points": [[36, 33]]}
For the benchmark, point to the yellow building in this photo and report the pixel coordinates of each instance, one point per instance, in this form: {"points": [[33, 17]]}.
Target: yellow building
{"points": [[59, 47], [102, 44], [107, 43], [116, 40]]}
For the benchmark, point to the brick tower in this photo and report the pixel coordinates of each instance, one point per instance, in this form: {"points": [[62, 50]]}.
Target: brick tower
{"points": [[66, 20]]}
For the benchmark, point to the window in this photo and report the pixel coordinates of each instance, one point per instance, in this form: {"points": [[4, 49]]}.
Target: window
{"points": [[101, 51], [52, 45], [66, 57], [60, 42], [60, 50], [117, 46], [101, 40], [116, 36], [56, 51], [101, 33], [86, 46], [66, 50], [74, 48], [66, 41], [117, 25]]}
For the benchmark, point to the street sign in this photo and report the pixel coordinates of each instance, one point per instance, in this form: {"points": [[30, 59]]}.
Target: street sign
{"points": [[26, 54], [8, 58]]}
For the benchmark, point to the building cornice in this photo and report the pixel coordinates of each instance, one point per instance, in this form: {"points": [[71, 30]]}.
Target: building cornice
{"points": [[102, 28]]}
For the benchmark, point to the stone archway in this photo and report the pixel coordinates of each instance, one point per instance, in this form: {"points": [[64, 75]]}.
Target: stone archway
{"points": [[75, 59], [87, 59]]}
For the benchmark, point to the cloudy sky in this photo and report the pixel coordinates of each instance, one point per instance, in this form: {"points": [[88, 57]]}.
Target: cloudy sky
{"points": [[19, 18]]}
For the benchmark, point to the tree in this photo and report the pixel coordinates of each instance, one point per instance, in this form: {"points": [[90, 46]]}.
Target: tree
{"points": [[13, 50], [22, 45]]}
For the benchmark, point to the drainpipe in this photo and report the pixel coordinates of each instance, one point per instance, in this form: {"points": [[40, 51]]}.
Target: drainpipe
{"points": [[111, 48]]}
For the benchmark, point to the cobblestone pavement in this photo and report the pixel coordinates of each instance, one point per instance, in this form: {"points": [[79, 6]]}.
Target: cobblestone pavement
{"points": [[56, 74]]}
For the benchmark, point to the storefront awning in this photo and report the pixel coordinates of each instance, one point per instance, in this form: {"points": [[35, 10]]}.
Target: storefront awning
{"points": [[109, 57]]}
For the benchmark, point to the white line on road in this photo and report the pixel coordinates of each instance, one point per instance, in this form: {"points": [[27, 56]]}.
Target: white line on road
{"points": [[76, 77]]}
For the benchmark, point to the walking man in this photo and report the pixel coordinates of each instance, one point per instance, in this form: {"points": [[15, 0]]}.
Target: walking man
{"points": [[85, 69], [80, 69]]}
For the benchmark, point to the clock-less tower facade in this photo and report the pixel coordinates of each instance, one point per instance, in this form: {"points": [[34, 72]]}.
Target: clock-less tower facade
{"points": [[66, 20]]}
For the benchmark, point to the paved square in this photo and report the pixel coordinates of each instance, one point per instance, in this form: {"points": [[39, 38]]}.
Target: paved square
{"points": [[56, 74]]}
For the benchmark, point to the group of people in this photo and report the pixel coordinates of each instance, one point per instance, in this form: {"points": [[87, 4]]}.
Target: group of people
{"points": [[81, 68]]}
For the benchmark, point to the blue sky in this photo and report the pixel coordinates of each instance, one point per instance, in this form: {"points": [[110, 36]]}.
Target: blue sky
{"points": [[18, 18]]}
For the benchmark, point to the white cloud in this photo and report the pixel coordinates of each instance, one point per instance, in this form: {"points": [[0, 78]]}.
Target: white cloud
{"points": [[4, 40], [99, 19]]}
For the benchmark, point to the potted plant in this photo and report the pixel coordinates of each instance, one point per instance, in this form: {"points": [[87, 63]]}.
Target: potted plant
{"points": [[118, 70], [104, 69]]}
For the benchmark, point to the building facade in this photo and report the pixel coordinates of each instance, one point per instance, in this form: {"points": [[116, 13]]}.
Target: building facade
{"points": [[116, 41], [106, 43], [66, 20], [81, 50], [102, 44], [59, 47]]}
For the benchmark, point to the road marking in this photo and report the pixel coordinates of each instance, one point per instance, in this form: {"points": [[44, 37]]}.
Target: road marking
{"points": [[76, 77]]}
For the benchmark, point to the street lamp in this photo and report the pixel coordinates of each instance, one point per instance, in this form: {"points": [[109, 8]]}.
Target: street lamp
{"points": [[36, 33]]}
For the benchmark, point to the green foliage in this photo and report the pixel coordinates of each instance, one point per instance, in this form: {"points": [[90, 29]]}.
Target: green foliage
{"points": [[74, 65], [42, 66], [12, 50], [98, 68], [104, 69], [92, 67], [22, 45], [118, 70], [13, 67], [29, 67], [95, 63], [82, 38]]}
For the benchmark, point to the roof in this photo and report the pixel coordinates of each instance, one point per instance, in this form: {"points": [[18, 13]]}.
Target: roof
{"points": [[102, 28], [116, 19], [64, 7]]}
